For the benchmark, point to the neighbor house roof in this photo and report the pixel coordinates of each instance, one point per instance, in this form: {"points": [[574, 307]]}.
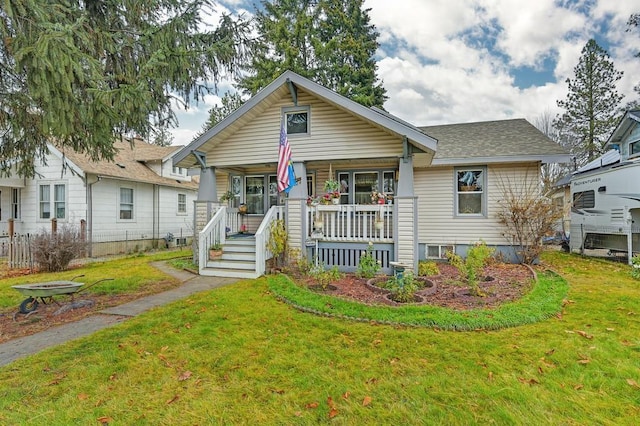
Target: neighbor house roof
{"points": [[285, 85], [492, 142], [129, 164]]}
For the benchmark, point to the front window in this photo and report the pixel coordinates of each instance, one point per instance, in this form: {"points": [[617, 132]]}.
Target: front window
{"points": [[358, 187], [126, 203], [470, 192], [182, 203], [297, 120]]}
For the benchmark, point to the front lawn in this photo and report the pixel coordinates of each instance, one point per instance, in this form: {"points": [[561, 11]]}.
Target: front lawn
{"points": [[236, 355]]}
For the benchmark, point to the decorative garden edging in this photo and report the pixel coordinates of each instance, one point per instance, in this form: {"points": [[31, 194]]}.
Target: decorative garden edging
{"points": [[542, 302]]}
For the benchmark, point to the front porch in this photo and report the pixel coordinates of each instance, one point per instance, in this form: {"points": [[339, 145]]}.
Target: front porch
{"points": [[335, 235]]}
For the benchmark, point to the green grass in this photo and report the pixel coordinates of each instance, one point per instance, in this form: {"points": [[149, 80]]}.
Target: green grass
{"points": [[236, 355], [130, 274]]}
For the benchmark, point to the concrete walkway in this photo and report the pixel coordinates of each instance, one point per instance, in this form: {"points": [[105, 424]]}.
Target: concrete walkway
{"points": [[28, 345]]}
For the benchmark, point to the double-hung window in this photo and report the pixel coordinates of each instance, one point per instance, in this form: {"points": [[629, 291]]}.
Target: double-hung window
{"points": [[52, 201], [470, 188], [182, 203], [15, 203], [126, 203]]}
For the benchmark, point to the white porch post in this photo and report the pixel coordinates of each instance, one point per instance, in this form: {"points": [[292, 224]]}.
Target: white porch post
{"points": [[406, 216], [295, 209]]}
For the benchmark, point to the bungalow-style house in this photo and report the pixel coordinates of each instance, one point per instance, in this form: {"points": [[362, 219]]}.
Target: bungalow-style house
{"points": [[441, 185], [140, 196]]}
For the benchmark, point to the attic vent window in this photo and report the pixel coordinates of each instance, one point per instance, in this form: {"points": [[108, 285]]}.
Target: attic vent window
{"points": [[120, 165]]}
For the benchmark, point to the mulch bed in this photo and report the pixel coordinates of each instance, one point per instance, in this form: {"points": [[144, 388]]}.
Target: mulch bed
{"points": [[504, 283]]}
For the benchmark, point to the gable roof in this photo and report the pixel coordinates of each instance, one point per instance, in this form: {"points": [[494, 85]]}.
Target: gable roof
{"points": [[128, 163], [499, 141], [284, 86]]}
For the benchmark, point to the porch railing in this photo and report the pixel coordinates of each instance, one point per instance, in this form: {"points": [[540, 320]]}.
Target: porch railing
{"points": [[213, 233], [262, 236], [351, 222]]}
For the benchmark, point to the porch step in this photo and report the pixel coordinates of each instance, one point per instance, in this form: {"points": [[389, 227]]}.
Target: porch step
{"points": [[238, 260]]}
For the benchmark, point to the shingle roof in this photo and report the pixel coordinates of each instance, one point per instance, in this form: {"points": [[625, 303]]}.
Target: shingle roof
{"points": [[128, 164], [515, 139]]}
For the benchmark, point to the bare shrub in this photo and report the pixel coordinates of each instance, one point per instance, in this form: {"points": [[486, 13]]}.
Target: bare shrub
{"points": [[54, 251], [526, 215]]}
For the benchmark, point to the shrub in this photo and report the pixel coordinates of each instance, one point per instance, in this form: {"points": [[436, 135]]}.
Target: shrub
{"points": [[54, 251], [427, 267], [471, 268], [277, 239], [368, 266], [324, 277], [635, 267], [526, 217], [403, 288]]}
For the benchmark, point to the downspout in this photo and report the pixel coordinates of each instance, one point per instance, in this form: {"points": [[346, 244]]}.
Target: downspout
{"points": [[156, 216], [90, 212]]}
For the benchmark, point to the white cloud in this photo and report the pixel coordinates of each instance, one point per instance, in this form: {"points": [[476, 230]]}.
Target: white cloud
{"points": [[449, 63]]}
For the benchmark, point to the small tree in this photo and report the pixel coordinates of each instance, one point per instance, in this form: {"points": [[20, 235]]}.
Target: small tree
{"points": [[527, 216], [277, 239], [54, 251]]}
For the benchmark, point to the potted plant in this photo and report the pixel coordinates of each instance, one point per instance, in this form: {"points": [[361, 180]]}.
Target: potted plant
{"points": [[331, 186], [335, 197], [378, 197], [215, 250], [226, 197]]}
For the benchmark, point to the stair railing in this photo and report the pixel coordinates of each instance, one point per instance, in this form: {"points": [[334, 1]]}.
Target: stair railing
{"points": [[262, 237], [214, 233]]}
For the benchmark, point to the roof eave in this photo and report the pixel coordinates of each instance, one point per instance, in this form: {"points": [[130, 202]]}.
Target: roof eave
{"points": [[544, 159]]}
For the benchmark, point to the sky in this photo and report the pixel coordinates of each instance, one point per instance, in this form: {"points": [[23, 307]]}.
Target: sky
{"points": [[445, 62]]}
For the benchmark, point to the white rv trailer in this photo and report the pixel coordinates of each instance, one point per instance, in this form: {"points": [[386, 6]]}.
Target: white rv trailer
{"points": [[605, 195]]}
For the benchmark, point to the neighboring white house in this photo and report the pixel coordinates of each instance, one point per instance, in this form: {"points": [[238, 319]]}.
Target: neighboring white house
{"points": [[139, 197], [444, 183]]}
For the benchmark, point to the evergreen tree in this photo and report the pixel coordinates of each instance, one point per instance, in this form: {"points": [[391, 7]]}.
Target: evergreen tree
{"points": [[592, 104], [81, 73], [330, 42], [230, 102]]}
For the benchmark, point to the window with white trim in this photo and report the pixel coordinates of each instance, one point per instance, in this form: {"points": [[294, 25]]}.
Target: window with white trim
{"points": [[297, 120], [15, 203], [50, 207], [126, 203], [182, 203], [470, 187]]}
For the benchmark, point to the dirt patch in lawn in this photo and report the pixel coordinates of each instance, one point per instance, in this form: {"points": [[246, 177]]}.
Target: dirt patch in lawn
{"points": [[500, 282], [14, 324]]}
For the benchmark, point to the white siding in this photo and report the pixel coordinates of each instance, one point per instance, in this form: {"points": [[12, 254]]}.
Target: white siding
{"points": [[435, 189], [406, 244], [106, 208], [76, 196], [334, 134]]}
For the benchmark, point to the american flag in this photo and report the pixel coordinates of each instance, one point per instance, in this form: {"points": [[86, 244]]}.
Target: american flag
{"points": [[286, 176]]}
